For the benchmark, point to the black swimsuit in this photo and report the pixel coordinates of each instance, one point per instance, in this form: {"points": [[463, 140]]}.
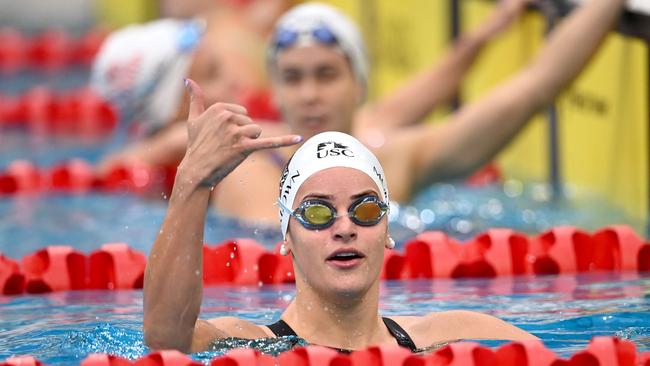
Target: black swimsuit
{"points": [[281, 329]]}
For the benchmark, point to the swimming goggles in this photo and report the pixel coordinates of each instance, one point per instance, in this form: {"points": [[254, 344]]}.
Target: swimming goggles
{"points": [[317, 214], [285, 38]]}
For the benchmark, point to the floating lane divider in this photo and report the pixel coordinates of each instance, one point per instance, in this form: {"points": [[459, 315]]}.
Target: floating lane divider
{"points": [[50, 50], [78, 177], [44, 111], [497, 252], [601, 351], [85, 112]]}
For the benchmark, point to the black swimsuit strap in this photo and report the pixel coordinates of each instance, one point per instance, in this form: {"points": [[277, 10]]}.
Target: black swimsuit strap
{"points": [[403, 338], [281, 329]]}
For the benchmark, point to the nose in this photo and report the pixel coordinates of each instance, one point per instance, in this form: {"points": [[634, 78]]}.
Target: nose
{"points": [[309, 91], [344, 230]]}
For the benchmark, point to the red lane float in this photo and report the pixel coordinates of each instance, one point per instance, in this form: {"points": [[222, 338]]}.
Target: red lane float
{"points": [[394, 264], [78, 112], [97, 359], [619, 248], [21, 361], [275, 268], [55, 268], [12, 281], [166, 358], [563, 249], [497, 252], [116, 266], [233, 261], [77, 176], [49, 50], [601, 351]]}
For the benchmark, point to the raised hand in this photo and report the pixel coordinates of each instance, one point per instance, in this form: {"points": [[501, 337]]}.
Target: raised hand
{"points": [[502, 16], [221, 137]]}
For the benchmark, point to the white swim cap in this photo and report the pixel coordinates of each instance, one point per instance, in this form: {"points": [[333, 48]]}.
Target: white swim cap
{"points": [[140, 69], [320, 23], [323, 151]]}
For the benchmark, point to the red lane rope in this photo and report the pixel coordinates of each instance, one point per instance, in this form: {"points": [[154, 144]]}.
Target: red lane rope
{"points": [[49, 50], [41, 110], [604, 351], [78, 177], [497, 252]]}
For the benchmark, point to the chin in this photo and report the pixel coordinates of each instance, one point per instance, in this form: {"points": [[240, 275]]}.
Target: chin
{"points": [[349, 288]]}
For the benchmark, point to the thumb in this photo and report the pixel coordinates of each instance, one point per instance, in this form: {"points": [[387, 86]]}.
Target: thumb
{"points": [[196, 98]]}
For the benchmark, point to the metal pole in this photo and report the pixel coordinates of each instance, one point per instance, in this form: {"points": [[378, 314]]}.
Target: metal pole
{"points": [[454, 16], [555, 176]]}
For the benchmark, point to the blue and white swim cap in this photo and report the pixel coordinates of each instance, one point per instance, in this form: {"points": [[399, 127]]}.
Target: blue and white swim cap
{"points": [[140, 69], [320, 23], [323, 151]]}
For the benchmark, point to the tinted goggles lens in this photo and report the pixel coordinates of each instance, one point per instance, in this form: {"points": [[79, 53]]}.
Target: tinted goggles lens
{"points": [[318, 214], [285, 38]]}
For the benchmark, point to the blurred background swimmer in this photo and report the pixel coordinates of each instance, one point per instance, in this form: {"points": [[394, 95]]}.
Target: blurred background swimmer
{"points": [[318, 83], [140, 69], [240, 35]]}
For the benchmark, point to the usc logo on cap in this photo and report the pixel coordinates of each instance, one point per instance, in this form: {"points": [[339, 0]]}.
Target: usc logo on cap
{"points": [[331, 148]]}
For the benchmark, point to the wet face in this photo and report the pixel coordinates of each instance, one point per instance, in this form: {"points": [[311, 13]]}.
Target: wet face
{"points": [[315, 89], [345, 259]]}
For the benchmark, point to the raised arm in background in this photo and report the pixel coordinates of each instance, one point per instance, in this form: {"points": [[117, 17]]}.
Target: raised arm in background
{"points": [[482, 128], [420, 95]]}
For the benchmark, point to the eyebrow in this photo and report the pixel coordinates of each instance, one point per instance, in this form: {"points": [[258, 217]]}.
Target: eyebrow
{"points": [[328, 197]]}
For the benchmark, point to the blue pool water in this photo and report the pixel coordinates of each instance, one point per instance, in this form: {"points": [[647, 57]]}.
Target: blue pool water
{"points": [[62, 328], [564, 311]]}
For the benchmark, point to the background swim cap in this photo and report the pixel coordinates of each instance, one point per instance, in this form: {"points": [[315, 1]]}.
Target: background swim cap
{"points": [[140, 69], [306, 18], [327, 150]]}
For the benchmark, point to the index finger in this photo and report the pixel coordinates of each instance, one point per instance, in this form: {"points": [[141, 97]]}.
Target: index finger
{"points": [[274, 142]]}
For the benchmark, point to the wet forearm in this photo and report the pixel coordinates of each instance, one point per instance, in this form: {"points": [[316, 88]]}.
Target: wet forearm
{"points": [[571, 45], [173, 279]]}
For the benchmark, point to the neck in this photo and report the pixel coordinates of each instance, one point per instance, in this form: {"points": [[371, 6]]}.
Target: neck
{"points": [[350, 322]]}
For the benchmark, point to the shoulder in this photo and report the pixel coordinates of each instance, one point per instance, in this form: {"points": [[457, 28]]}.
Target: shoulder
{"points": [[240, 328], [207, 331], [454, 325]]}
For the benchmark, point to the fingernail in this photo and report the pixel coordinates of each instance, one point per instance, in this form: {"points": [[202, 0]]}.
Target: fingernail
{"points": [[297, 139], [187, 87]]}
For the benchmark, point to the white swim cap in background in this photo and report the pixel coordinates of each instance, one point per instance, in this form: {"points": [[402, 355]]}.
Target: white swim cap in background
{"points": [[140, 69], [316, 23], [327, 150]]}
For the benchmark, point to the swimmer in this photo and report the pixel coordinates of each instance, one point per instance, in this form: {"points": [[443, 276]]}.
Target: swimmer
{"points": [[140, 69], [407, 105], [319, 73], [333, 204]]}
